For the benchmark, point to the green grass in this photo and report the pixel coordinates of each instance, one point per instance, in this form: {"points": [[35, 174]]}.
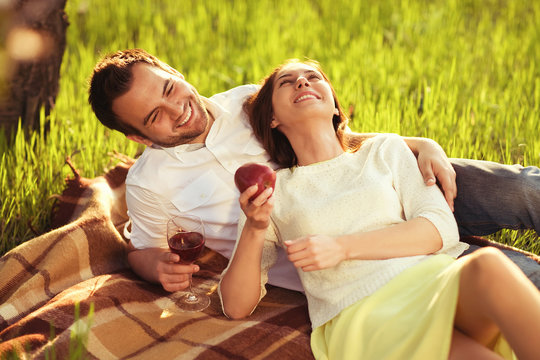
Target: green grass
{"points": [[472, 67]]}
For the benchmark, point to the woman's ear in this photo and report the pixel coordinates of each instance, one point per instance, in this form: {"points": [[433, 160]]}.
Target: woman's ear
{"points": [[336, 111], [274, 123]]}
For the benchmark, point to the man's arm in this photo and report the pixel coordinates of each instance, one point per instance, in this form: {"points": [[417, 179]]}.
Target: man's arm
{"points": [[158, 265], [149, 256], [432, 162]]}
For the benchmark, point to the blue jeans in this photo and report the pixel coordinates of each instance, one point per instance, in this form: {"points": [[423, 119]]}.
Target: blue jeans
{"points": [[492, 196]]}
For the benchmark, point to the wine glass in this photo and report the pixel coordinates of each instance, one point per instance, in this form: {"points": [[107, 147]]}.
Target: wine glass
{"points": [[185, 236]]}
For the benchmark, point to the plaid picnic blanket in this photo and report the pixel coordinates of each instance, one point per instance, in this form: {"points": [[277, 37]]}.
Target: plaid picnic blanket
{"points": [[72, 286], [83, 262]]}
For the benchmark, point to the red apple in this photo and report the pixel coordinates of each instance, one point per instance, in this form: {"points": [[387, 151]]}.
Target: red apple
{"points": [[252, 173]]}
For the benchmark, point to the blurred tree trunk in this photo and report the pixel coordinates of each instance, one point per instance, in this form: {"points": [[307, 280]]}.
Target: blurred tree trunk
{"points": [[34, 35]]}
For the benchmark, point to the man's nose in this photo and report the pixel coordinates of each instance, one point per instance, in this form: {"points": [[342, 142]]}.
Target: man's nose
{"points": [[302, 82], [172, 108]]}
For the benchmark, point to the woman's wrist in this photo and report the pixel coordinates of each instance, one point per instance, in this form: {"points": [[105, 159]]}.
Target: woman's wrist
{"points": [[344, 243], [256, 227]]}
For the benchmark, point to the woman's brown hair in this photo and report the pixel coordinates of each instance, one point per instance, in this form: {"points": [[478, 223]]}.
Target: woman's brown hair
{"points": [[260, 111]]}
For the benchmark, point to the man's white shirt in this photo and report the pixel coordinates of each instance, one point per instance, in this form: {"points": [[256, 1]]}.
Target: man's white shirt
{"points": [[199, 180]]}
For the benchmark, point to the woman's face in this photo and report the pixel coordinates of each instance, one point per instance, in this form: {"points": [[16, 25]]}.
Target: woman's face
{"points": [[301, 93]]}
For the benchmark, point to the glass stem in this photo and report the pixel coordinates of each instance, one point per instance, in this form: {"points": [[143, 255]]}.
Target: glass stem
{"points": [[191, 297]]}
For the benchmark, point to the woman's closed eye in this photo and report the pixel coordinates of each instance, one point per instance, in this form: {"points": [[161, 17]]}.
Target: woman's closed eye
{"points": [[285, 81], [310, 77]]}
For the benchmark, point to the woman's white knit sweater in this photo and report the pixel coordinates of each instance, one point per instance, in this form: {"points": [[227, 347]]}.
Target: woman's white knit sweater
{"points": [[378, 186]]}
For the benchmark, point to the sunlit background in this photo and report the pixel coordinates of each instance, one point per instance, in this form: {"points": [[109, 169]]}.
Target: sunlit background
{"points": [[465, 73]]}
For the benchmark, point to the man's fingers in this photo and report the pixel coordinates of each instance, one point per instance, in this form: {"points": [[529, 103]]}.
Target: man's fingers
{"points": [[176, 286], [450, 201], [176, 276], [449, 189], [176, 269], [171, 257], [426, 170]]}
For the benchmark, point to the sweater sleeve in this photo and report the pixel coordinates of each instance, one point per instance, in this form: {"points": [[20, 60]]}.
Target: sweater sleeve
{"points": [[418, 199], [268, 259]]}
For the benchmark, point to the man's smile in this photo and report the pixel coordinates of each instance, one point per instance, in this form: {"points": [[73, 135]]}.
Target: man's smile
{"points": [[187, 117]]}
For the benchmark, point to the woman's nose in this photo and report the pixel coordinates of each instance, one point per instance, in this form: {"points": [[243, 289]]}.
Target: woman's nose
{"points": [[301, 82]]}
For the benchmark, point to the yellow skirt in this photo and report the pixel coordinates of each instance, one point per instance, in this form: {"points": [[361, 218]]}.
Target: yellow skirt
{"points": [[411, 317]]}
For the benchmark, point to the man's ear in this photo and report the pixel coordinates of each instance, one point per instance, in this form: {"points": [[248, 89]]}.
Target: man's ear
{"points": [[140, 139]]}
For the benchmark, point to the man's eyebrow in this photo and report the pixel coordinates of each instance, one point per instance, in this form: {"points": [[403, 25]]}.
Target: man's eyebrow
{"points": [[165, 85]]}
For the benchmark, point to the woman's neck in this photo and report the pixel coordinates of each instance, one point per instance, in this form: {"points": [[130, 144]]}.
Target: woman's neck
{"points": [[312, 145]]}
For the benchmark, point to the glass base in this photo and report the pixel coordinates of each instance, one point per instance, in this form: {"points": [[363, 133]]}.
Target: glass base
{"points": [[192, 302]]}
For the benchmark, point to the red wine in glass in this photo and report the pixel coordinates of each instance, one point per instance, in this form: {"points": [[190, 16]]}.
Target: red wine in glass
{"points": [[188, 245], [185, 236]]}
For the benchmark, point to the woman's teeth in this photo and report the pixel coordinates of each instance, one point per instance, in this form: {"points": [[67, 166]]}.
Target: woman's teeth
{"points": [[304, 97]]}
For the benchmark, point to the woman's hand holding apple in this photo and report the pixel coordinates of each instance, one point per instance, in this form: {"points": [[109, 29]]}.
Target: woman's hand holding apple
{"points": [[259, 209], [256, 183]]}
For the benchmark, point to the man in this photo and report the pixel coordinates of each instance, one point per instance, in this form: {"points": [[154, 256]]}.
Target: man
{"points": [[195, 144]]}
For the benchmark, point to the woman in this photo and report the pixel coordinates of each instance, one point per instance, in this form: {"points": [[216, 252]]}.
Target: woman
{"points": [[375, 248]]}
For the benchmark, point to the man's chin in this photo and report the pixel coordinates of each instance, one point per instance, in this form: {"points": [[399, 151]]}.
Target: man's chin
{"points": [[178, 141]]}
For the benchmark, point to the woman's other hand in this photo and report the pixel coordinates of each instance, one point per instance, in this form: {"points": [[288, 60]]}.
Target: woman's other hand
{"points": [[315, 252]]}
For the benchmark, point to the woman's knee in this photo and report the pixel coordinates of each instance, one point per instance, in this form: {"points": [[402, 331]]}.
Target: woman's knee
{"points": [[487, 266]]}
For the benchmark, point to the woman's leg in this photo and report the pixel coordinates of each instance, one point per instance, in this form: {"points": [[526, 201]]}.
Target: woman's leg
{"points": [[492, 196], [465, 348], [495, 296]]}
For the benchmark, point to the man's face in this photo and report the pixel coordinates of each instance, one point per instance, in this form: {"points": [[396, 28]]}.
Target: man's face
{"points": [[164, 107]]}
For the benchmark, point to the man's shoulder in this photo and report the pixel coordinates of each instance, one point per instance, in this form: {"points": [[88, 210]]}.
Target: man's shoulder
{"points": [[146, 167], [239, 92]]}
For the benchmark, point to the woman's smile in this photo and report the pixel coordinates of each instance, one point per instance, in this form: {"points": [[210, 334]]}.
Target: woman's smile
{"points": [[306, 95]]}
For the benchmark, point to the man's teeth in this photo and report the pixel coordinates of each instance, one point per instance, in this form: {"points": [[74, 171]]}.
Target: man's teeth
{"points": [[187, 116], [304, 97]]}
